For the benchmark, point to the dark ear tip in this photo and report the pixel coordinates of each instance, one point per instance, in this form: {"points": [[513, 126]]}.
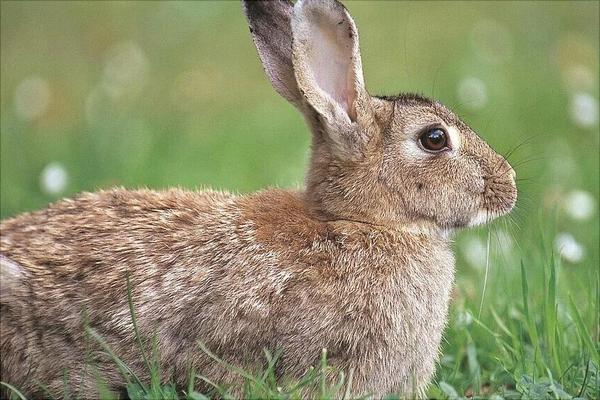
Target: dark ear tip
{"points": [[254, 10], [266, 3], [250, 7], [268, 13], [260, 8]]}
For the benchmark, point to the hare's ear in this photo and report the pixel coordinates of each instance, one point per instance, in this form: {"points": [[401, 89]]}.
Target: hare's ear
{"points": [[327, 63], [270, 26]]}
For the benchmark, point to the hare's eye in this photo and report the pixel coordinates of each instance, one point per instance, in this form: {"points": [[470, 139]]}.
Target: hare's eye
{"points": [[435, 139]]}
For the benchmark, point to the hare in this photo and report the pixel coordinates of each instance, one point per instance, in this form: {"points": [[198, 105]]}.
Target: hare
{"points": [[358, 263]]}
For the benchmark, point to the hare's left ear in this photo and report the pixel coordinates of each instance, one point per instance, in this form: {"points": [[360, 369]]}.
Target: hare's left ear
{"points": [[327, 63]]}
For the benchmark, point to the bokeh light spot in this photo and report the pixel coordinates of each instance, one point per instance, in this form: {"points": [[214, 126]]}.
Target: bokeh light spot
{"points": [[472, 93], [584, 110], [54, 178], [579, 205], [474, 251], [32, 98], [568, 248], [125, 70]]}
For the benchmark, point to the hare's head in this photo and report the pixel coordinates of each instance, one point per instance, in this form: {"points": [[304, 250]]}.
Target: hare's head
{"points": [[384, 160]]}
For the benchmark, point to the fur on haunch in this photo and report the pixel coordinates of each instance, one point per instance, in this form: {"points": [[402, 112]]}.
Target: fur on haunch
{"points": [[358, 263]]}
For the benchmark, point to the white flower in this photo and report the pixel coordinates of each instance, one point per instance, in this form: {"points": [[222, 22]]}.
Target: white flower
{"points": [[53, 178], [32, 98], [472, 92], [584, 110], [579, 205], [568, 248]]}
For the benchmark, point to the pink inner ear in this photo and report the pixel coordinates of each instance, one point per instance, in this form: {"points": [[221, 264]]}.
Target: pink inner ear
{"points": [[331, 62]]}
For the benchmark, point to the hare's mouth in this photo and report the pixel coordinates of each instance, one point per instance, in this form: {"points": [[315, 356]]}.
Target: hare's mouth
{"points": [[485, 215], [482, 217]]}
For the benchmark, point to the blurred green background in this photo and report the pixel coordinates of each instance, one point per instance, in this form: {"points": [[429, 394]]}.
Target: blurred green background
{"points": [[160, 94], [96, 94]]}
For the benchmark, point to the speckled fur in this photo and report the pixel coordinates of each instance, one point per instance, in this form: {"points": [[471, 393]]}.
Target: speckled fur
{"points": [[359, 263]]}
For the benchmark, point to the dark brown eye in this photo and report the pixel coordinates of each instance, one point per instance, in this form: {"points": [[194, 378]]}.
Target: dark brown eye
{"points": [[435, 139]]}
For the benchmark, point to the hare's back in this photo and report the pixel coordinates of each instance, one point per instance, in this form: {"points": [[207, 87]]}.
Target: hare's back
{"points": [[114, 230]]}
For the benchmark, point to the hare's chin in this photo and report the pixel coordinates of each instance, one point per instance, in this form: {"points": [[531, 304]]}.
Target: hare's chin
{"points": [[482, 217]]}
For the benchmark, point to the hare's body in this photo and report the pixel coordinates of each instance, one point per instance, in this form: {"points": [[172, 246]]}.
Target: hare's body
{"points": [[238, 273], [357, 264]]}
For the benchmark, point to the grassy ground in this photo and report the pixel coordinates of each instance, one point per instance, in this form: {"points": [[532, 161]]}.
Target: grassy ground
{"points": [[162, 94]]}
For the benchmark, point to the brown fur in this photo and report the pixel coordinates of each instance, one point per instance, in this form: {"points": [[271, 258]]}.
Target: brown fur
{"points": [[359, 263]]}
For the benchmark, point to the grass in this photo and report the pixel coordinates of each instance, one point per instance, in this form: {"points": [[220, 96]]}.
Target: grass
{"points": [[533, 346], [198, 111]]}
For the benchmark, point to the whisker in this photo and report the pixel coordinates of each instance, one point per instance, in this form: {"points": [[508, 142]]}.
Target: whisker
{"points": [[510, 151], [525, 141], [528, 179], [528, 160]]}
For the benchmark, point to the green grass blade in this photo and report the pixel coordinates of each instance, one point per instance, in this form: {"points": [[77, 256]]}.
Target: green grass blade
{"points": [[104, 392], [13, 390], [500, 324], [191, 380], [449, 391], [126, 372], [525, 290], [233, 368], [551, 314], [597, 311], [530, 322], [196, 396], [134, 322], [323, 369], [583, 333]]}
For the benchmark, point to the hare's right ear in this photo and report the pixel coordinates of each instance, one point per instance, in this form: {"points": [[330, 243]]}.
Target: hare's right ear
{"points": [[328, 68], [270, 26]]}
